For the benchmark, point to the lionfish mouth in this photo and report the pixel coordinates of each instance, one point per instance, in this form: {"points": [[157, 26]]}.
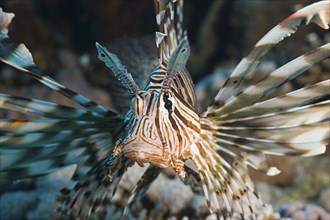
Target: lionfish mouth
{"points": [[146, 151]]}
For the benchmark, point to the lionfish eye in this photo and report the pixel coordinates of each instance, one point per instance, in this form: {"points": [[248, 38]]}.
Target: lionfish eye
{"points": [[168, 104]]}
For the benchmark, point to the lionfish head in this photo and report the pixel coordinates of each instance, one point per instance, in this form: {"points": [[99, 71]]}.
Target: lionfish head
{"points": [[144, 141], [161, 125]]}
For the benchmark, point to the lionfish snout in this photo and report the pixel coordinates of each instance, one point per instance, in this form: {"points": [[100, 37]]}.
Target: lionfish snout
{"points": [[143, 151], [143, 144]]}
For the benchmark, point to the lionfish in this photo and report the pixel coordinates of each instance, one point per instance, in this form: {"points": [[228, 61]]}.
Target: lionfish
{"points": [[162, 127]]}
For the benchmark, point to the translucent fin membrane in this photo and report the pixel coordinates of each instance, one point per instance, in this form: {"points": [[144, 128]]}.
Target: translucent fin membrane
{"points": [[111, 60]]}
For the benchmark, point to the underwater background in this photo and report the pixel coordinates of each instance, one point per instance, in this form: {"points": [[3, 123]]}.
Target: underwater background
{"points": [[61, 36]]}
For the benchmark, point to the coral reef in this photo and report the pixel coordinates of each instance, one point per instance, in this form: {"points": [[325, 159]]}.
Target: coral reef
{"points": [[299, 211], [16, 205]]}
